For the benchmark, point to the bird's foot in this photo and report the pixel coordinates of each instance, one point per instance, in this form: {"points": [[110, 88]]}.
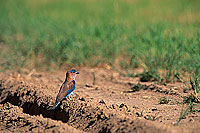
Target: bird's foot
{"points": [[69, 98]]}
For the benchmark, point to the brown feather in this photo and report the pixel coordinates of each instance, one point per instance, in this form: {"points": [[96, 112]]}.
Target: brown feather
{"points": [[68, 84]]}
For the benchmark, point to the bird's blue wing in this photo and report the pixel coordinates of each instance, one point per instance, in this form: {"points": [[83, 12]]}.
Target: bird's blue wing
{"points": [[69, 92], [65, 90]]}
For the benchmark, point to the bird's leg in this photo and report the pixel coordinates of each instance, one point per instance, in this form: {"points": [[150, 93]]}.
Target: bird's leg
{"points": [[69, 97]]}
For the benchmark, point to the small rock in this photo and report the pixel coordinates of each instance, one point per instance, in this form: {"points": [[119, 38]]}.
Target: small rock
{"points": [[36, 75], [174, 123], [123, 105], [139, 114], [113, 106], [154, 109], [135, 106], [87, 85], [145, 97], [82, 99], [102, 101]]}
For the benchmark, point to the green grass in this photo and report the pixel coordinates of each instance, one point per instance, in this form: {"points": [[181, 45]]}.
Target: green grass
{"points": [[164, 100], [152, 34], [192, 101]]}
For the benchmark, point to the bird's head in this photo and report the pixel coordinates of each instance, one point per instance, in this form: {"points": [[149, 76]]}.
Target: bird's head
{"points": [[72, 74]]}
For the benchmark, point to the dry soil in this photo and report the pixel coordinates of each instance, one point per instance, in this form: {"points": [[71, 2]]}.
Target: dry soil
{"points": [[102, 102]]}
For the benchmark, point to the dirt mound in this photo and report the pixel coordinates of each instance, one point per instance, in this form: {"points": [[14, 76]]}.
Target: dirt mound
{"points": [[13, 119], [27, 107]]}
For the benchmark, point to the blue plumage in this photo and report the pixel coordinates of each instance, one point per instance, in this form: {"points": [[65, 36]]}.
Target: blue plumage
{"points": [[70, 91]]}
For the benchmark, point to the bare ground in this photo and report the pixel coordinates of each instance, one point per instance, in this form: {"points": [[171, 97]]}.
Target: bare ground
{"points": [[103, 102]]}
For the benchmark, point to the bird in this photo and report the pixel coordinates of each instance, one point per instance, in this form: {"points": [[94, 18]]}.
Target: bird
{"points": [[67, 88]]}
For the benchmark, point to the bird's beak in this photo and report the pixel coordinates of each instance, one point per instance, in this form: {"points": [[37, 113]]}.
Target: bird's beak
{"points": [[77, 72]]}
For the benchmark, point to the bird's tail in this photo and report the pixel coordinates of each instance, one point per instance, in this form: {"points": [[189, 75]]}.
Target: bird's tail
{"points": [[55, 105]]}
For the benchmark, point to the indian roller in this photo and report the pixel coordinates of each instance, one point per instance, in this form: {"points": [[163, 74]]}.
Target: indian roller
{"points": [[67, 88]]}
